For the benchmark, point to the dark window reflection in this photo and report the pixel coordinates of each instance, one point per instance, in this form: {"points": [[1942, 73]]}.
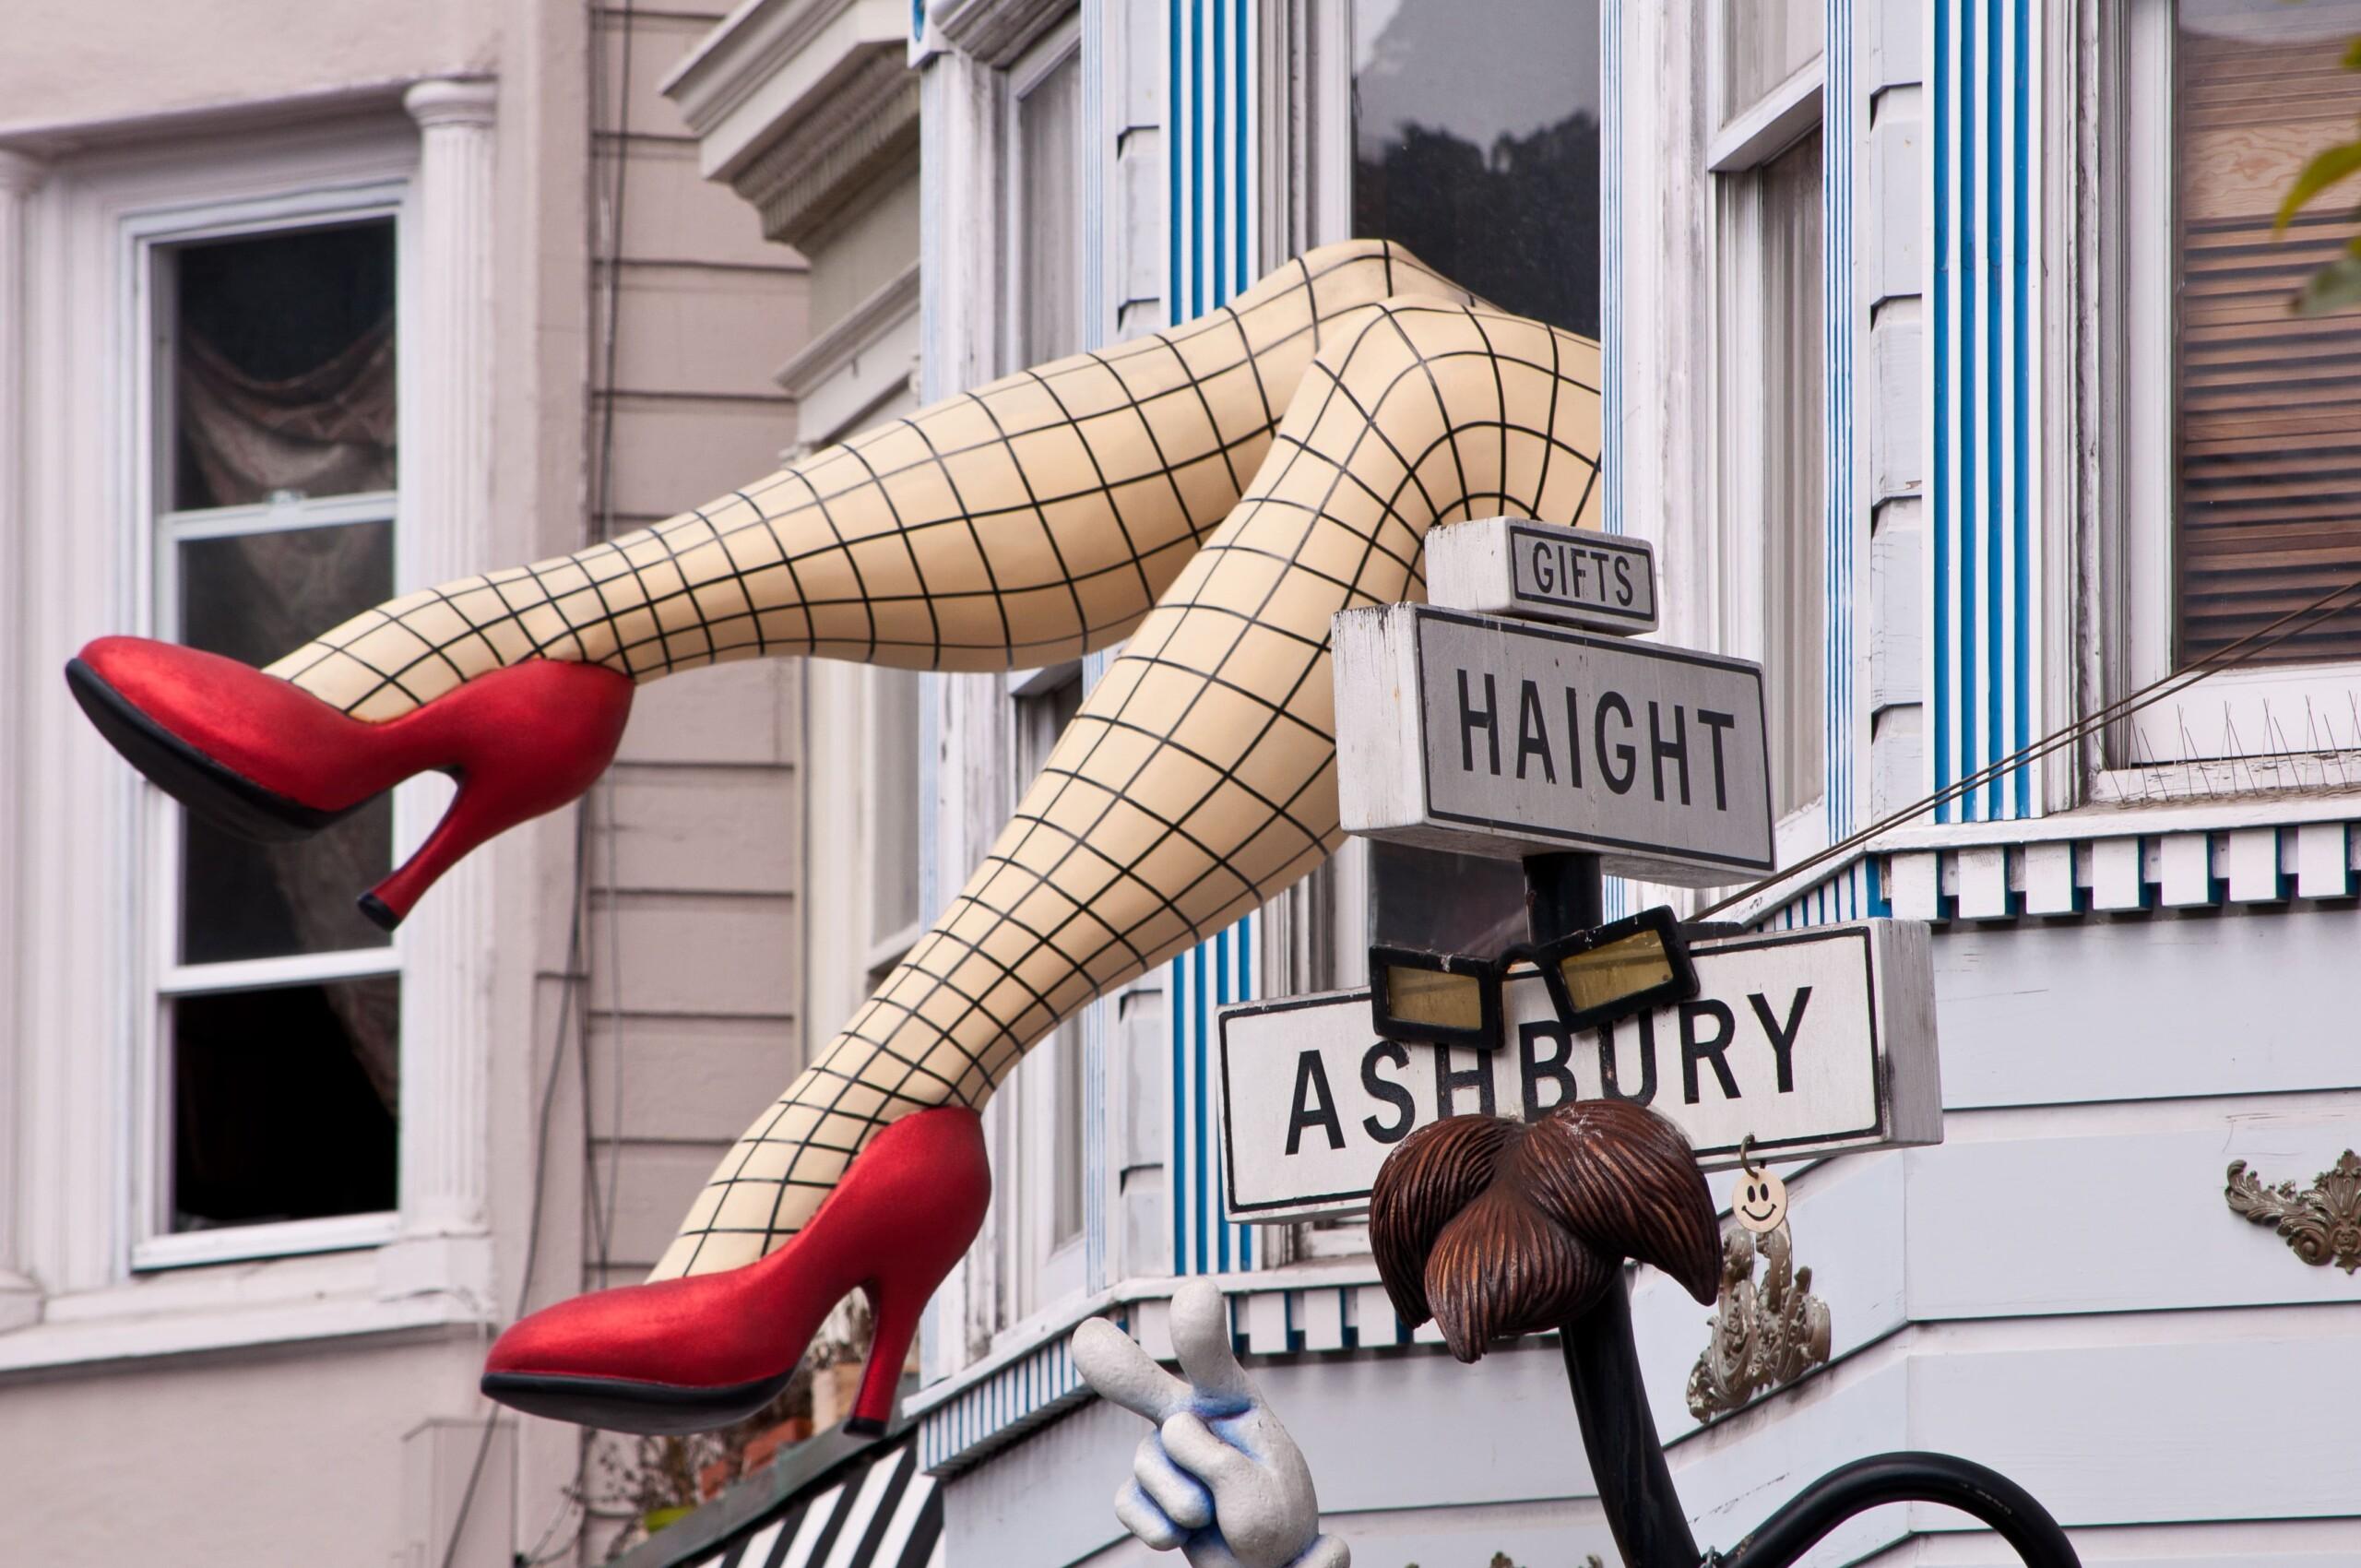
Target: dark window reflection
{"points": [[284, 1103], [283, 365], [252, 598], [1435, 901], [1477, 145]]}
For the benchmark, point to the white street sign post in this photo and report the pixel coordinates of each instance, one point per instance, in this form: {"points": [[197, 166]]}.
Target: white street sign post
{"points": [[1604, 582], [1488, 736], [1810, 1042]]}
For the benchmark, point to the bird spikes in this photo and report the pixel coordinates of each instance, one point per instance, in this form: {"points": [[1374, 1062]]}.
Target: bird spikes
{"points": [[1497, 1228]]}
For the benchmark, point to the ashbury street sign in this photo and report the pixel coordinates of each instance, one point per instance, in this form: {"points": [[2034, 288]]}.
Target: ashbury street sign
{"points": [[1811, 1042], [1469, 732]]}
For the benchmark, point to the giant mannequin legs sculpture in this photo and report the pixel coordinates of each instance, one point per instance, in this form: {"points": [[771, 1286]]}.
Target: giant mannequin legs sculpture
{"points": [[1026, 522]]}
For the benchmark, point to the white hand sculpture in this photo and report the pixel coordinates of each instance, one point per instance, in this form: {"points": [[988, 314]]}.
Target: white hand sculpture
{"points": [[1219, 1478]]}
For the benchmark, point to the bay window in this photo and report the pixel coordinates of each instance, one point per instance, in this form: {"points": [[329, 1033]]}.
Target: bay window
{"points": [[2242, 496]]}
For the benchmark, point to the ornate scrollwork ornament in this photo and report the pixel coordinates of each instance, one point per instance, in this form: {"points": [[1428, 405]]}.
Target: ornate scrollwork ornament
{"points": [[2321, 1223], [1760, 1338]]}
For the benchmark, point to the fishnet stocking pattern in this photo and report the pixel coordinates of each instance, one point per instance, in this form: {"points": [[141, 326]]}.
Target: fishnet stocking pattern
{"points": [[1021, 524], [1199, 777]]}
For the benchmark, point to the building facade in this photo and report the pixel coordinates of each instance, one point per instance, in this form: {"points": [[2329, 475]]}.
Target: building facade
{"points": [[1949, 376], [298, 305]]}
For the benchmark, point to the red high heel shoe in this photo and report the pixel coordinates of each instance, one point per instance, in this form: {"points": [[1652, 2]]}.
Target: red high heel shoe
{"points": [[263, 758], [700, 1352]]}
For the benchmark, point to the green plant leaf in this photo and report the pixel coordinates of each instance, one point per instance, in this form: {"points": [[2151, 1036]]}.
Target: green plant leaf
{"points": [[656, 1519], [2334, 287], [2353, 55], [2327, 167]]}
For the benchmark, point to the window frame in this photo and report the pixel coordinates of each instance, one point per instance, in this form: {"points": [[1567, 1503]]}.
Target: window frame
{"points": [[1033, 66], [79, 1016], [1738, 149], [2130, 566], [165, 978]]}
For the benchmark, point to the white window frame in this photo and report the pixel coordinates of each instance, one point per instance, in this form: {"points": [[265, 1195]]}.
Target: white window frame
{"points": [[80, 1014], [155, 1245], [2136, 539], [1055, 48], [1736, 146]]}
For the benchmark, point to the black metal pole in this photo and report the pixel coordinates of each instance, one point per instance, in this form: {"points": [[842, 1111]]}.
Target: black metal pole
{"points": [[1627, 1459], [1561, 896], [2010, 1509]]}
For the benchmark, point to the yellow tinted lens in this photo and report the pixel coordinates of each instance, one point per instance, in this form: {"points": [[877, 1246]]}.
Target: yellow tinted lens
{"points": [[1621, 968], [1431, 997]]}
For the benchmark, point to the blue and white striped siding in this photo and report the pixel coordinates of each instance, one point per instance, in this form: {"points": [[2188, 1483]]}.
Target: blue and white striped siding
{"points": [[1209, 217], [1981, 642], [1204, 979], [1209, 210], [1001, 1408], [1845, 489]]}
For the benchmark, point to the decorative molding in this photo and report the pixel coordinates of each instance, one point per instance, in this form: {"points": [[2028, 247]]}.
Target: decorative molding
{"points": [[468, 101], [994, 31], [2261, 851], [446, 532], [1761, 1339], [860, 330], [748, 53], [2321, 1223], [843, 148]]}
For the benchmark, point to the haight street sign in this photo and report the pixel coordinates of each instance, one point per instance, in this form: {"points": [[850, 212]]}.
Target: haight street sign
{"points": [[1813, 1042], [1496, 737], [1548, 571]]}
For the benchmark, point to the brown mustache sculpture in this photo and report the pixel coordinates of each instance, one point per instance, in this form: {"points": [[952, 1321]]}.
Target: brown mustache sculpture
{"points": [[1496, 1228]]}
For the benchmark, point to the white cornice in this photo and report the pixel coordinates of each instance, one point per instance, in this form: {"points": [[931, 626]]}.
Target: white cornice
{"points": [[57, 139], [833, 160], [772, 65], [995, 32]]}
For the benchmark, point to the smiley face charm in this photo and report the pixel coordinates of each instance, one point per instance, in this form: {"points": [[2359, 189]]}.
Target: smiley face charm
{"points": [[1759, 1203]]}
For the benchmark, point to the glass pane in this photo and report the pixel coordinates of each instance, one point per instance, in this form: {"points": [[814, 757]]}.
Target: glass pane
{"points": [[1793, 482], [1431, 996], [1763, 43], [1065, 1218], [252, 598], [894, 835], [2268, 404], [285, 1103], [1049, 122], [282, 366], [1622, 968], [1475, 144]]}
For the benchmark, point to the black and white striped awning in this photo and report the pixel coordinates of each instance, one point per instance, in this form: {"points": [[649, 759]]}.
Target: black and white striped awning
{"points": [[872, 1509]]}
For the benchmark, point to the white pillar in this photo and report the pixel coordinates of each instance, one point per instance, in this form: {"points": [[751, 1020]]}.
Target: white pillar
{"points": [[446, 532], [20, 177]]}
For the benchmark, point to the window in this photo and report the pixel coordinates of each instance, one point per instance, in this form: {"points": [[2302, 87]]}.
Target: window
{"points": [[1475, 137], [2243, 460], [1770, 372], [1045, 199], [1046, 703], [893, 913], [271, 435]]}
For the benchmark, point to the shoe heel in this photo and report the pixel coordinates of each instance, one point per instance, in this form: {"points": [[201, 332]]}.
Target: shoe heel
{"points": [[895, 1316], [521, 741]]}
